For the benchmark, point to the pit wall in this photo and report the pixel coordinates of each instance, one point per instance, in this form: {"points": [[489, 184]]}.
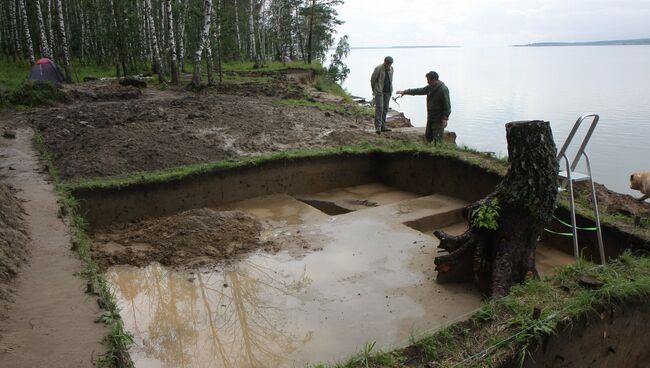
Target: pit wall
{"points": [[418, 173], [614, 338]]}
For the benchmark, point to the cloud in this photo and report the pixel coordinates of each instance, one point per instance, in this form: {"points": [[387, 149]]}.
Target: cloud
{"points": [[496, 22]]}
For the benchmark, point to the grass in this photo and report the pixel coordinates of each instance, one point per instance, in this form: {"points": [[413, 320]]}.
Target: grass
{"points": [[626, 223], [504, 331], [118, 340], [340, 108], [179, 173]]}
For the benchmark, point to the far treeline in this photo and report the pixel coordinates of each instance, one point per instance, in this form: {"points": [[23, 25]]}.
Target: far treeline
{"points": [[166, 34]]}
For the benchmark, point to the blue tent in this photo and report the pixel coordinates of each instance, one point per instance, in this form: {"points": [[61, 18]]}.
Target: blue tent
{"points": [[46, 70]]}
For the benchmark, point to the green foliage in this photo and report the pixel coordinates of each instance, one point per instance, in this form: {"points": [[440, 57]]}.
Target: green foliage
{"points": [[486, 216], [337, 70], [37, 93]]}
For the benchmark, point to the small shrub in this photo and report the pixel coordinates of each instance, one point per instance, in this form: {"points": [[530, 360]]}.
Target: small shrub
{"points": [[37, 93]]}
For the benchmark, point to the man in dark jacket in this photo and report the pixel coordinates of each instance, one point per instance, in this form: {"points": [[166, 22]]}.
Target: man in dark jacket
{"points": [[381, 82], [438, 106]]}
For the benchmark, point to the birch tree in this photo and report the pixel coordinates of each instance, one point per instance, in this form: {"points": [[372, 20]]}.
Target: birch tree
{"points": [[43, 44], [237, 32], [207, 15], [64, 42], [157, 65], [28, 37], [171, 43], [182, 16], [252, 50]]}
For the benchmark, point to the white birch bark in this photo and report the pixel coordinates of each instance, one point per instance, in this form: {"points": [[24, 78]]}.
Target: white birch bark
{"points": [[237, 32], [157, 67], [64, 42], [252, 50], [196, 78], [28, 36], [48, 25], [171, 43], [43, 44], [182, 15]]}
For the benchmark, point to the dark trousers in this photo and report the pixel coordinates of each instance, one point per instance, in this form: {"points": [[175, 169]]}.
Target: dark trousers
{"points": [[381, 109], [434, 131]]}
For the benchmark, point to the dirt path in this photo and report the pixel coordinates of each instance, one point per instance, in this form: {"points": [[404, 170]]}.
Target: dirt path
{"points": [[51, 322]]}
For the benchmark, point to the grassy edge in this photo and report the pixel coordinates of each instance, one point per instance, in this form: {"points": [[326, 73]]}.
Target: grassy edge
{"points": [[118, 339], [508, 328], [182, 172]]}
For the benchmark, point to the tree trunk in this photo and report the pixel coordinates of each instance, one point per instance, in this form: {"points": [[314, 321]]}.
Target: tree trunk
{"points": [[237, 32], [44, 45], [48, 26], [157, 64], [182, 16], [311, 31], [207, 14], [498, 249], [218, 40], [64, 42], [28, 36], [172, 43], [252, 49]]}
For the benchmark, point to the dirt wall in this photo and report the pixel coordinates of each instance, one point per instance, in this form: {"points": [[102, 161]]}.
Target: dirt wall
{"points": [[13, 243], [297, 176], [426, 174], [611, 339]]}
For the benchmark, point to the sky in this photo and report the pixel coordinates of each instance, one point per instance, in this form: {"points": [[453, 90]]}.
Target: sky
{"points": [[491, 22]]}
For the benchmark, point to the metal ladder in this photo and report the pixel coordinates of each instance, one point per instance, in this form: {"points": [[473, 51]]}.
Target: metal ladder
{"points": [[569, 176]]}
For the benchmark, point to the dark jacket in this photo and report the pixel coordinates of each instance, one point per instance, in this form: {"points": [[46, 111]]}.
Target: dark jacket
{"points": [[438, 103], [377, 79]]}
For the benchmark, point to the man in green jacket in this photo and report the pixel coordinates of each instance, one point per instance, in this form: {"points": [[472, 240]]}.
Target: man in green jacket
{"points": [[381, 83], [438, 106]]}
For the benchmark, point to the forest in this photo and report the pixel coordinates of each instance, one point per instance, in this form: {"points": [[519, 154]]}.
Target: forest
{"points": [[168, 37]]}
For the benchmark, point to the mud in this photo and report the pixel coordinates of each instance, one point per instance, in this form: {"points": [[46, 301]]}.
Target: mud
{"points": [[14, 243], [190, 239], [95, 136]]}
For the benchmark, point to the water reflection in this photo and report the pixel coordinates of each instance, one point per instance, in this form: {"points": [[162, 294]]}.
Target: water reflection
{"points": [[232, 318]]}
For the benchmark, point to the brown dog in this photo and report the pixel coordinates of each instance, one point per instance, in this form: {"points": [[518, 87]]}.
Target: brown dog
{"points": [[641, 182]]}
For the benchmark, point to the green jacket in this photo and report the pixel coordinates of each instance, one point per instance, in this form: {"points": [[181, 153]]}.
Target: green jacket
{"points": [[377, 79], [438, 103]]}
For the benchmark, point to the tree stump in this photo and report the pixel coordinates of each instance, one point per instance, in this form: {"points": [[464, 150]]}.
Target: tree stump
{"points": [[498, 249]]}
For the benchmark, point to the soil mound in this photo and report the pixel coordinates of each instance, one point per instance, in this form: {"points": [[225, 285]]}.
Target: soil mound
{"points": [[102, 91], [615, 203], [14, 240], [188, 239]]}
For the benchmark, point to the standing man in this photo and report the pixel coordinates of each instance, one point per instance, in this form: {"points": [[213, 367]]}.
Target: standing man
{"points": [[381, 83], [438, 106]]}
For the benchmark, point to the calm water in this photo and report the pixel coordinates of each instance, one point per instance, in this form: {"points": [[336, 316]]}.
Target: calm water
{"points": [[495, 85]]}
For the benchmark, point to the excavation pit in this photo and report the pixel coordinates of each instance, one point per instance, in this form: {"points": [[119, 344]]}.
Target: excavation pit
{"points": [[345, 257]]}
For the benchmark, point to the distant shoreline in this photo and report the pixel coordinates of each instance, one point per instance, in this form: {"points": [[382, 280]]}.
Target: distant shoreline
{"points": [[400, 47], [640, 41]]}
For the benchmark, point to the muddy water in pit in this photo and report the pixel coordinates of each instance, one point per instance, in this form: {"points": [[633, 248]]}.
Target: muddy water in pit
{"points": [[365, 277]]}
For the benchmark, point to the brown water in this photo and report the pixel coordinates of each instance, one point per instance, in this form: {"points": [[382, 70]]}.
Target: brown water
{"points": [[371, 279]]}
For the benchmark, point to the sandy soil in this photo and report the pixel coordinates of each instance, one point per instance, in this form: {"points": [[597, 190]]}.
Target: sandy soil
{"points": [[50, 322]]}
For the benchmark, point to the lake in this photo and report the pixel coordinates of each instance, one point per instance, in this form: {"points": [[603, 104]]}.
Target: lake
{"points": [[492, 86]]}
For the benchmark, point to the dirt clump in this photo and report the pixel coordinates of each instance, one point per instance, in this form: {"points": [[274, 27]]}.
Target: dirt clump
{"points": [[14, 241], [614, 203], [188, 239], [107, 90]]}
